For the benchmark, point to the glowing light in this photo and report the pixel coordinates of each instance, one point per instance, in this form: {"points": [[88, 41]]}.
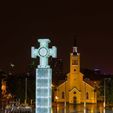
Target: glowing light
{"points": [[43, 76], [3, 87], [56, 97]]}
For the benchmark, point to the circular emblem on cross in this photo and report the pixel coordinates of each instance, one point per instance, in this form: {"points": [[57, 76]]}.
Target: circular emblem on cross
{"points": [[43, 51]]}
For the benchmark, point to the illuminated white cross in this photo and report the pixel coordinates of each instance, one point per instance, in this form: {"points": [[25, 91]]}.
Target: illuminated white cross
{"points": [[43, 52]]}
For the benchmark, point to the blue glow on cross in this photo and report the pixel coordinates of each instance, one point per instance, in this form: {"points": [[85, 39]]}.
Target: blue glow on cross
{"points": [[43, 52], [43, 76]]}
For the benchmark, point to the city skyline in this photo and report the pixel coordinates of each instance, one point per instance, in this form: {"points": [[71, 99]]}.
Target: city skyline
{"points": [[21, 25]]}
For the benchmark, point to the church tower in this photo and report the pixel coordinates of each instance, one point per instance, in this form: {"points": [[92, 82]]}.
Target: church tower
{"points": [[75, 77], [75, 88], [74, 60]]}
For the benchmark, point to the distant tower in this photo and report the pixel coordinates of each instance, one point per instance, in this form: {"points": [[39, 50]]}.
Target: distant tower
{"points": [[74, 66], [75, 59]]}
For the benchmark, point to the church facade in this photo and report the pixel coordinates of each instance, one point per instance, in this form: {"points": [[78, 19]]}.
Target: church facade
{"points": [[74, 89]]}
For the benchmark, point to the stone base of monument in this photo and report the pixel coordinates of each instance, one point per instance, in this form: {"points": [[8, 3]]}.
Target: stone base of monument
{"points": [[43, 90]]}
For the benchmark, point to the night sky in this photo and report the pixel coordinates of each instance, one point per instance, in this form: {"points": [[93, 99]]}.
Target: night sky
{"points": [[22, 23]]}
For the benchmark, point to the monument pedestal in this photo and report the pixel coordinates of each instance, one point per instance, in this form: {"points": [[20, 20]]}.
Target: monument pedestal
{"points": [[43, 90]]}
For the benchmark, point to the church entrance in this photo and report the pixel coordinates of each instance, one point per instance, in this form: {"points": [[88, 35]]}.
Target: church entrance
{"points": [[74, 100]]}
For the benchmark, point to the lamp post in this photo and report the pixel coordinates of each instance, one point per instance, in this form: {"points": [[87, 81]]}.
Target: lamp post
{"points": [[65, 97], [56, 100], [104, 104], [85, 98], [25, 90]]}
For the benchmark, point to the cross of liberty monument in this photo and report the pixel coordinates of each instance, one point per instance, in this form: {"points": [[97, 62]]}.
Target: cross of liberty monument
{"points": [[43, 76]]}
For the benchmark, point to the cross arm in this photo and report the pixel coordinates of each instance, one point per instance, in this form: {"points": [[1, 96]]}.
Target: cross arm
{"points": [[34, 52], [53, 52]]}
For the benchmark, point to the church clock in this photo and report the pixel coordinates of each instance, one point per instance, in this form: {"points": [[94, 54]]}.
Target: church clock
{"points": [[74, 61]]}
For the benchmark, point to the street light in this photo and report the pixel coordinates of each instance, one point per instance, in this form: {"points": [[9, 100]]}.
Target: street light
{"points": [[56, 100], [85, 98], [26, 89], [65, 96], [104, 104]]}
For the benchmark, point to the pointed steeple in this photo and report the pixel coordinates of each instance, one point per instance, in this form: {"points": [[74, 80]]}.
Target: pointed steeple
{"points": [[75, 46], [75, 41]]}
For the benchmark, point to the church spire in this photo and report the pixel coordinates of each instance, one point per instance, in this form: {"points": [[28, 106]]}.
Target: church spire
{"points": [[75, 46], [75, 41]]}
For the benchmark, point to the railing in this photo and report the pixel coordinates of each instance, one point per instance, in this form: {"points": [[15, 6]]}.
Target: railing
{"points": [[17, 110]]}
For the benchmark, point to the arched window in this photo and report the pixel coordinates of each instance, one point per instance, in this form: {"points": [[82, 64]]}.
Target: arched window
{"points": [[87, 95], [74, 69], [62, 95], [74, 100], [74, 62]]}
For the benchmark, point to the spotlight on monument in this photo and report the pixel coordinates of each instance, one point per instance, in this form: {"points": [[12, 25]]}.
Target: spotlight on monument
{"points": [[43, 76]]}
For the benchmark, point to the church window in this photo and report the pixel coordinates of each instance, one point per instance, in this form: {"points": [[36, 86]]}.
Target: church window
{"points": [[87, 95], [74, 100], [74, 92], [62, 95], [74, 62], [74, 69]]}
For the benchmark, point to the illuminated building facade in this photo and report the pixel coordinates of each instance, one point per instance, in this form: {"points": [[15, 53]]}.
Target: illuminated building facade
{"points": [[75, 89]]}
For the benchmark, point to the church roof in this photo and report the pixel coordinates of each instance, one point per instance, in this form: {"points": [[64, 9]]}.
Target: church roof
{"points": [[90, 82], [74, 88]]}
